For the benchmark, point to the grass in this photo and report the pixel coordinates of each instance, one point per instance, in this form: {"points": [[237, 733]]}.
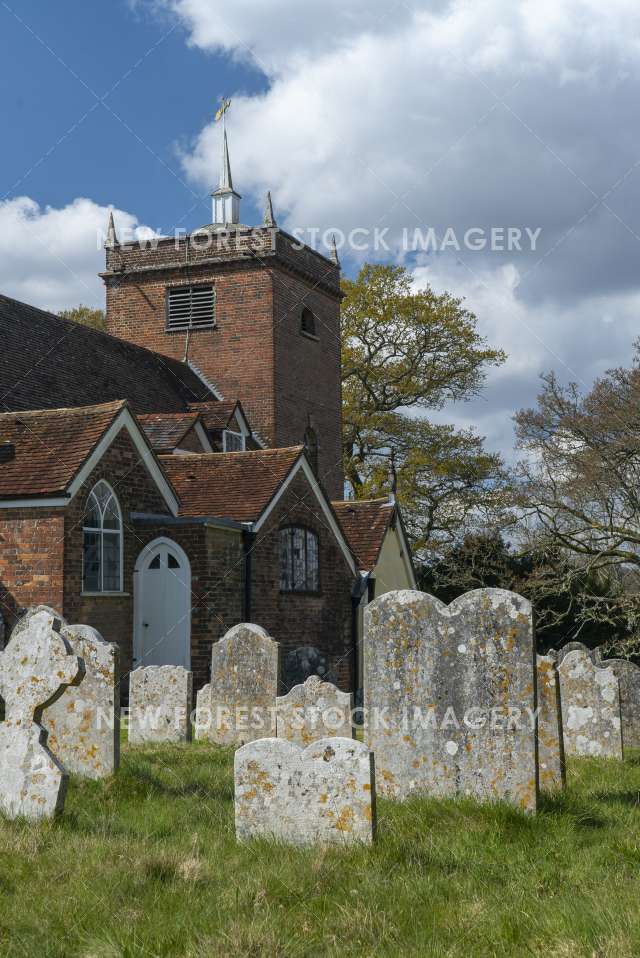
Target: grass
{"points": [[146, 865]]}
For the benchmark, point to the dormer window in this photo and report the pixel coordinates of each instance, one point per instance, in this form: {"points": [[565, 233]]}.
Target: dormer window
{"points": [[308, 323], [233, 441], [190, 307]]}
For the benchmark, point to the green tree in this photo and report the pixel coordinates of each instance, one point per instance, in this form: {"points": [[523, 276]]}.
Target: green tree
{"points": [[94, 318], [406, 352]]}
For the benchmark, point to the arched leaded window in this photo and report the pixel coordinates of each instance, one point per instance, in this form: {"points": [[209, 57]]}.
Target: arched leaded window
{"points": [[299, 561], [102, 541]]}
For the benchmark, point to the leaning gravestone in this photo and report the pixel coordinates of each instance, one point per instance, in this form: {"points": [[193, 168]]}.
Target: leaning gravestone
{"points": [[35, 668], [628, 675], [324, 793], [160, 704], [551, 766], [450, 695], [314, 710], [239, 703], [590, 707]]}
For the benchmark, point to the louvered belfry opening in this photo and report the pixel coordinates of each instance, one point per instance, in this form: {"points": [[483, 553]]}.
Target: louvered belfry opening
{"points": [[190, 307]]}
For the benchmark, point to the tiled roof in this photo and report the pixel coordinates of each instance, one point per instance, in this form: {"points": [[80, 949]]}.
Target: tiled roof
{"points": [[50, 446], [216, 415], [230, 485], [364, 523], [165, 431], [47, 362]]}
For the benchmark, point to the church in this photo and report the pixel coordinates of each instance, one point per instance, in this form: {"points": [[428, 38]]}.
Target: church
{"points": [[182, 471]]}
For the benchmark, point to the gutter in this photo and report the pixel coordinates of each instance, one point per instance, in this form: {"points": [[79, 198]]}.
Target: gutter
{"points": [[154, 519], [248, 542]]}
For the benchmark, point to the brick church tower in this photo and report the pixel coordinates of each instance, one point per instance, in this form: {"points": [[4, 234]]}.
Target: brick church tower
{"points": [[254, 312]]}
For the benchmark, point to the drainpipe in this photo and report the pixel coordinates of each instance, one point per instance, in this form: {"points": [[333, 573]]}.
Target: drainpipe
{"points": [[248, 540], [360, 586]]}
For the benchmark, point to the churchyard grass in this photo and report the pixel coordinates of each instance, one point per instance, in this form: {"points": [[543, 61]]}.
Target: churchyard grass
{"points": [[146, 864]]}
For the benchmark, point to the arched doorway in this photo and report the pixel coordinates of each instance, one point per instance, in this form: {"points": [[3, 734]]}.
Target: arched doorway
{"points": [[162, 605]]}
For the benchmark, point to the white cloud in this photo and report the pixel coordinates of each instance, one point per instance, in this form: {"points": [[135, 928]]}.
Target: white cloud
{"points": [[464, 114], [50, 257]]}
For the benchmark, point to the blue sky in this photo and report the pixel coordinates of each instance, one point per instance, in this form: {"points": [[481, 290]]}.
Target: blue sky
{"points": [[446, 114], [59, 59]]}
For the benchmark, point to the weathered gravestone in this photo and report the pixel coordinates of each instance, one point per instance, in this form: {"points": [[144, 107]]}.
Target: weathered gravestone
{"points": [[324, 793], [560, 654], [628, 676], [551, 765], [239, 703], [83, 724], [314, 710], [590, 699], [160, 704], [450, 695], [35, 668]]}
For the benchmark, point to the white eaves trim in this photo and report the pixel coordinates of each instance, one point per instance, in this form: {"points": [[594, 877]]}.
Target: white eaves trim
{"points": [[207, 382], [202, 436], [406, 553], [332, 522], [124, 420]]}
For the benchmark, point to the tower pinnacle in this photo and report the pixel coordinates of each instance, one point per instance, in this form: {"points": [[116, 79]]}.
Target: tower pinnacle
{"points": [[112, 236], [226, 202]]}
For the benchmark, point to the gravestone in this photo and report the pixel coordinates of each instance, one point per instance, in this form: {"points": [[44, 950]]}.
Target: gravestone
{"points": [[560, 654], [551, 767], [35, 668], [324, 793], [628, 676], [300, 664], [590, 699], [450, 695], [84, 723], [160, 704], [314, 710], [239, 703]]}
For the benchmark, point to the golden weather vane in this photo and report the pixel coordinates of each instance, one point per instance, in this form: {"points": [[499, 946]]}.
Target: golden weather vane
{"points": [[222, 109]]}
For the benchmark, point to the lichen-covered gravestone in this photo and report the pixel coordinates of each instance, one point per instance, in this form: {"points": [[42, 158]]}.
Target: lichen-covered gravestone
{"points": [[239, 703], [84, 723], [36, 667], [314, 710], [628, 676], [450, 695], [590, 707], [324, 793], [160, 704], [551, 766]]}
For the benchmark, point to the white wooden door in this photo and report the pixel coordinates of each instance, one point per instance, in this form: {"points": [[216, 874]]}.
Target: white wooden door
{"points": [[163, 606]]}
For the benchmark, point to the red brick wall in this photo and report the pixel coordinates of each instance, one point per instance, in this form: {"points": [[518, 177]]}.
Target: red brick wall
{"points": [[31, 560], [308, 385], [112, 615], [295, 620], [237, 355], [216, 572], [256, 353]]}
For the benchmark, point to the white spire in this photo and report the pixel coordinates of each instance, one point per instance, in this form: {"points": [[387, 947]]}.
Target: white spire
{"points": [[226, 202], [112, 236]]}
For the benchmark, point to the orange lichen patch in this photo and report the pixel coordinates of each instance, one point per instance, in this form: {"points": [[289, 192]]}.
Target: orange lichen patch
{"points": [[323, 798], [344, 821]]}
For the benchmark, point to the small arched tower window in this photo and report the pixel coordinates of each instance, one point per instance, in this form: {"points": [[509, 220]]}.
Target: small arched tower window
{"points": [[102, 541], [311, 448], [308, 322]]}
